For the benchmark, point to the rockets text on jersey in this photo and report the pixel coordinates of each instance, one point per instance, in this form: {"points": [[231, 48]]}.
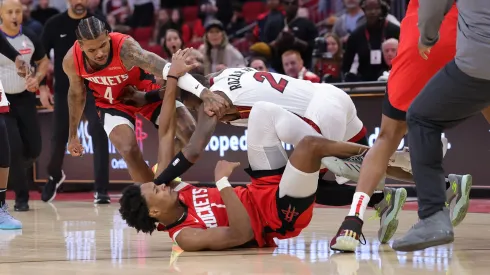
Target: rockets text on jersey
{"points": [[246, 86], [108, 83]]}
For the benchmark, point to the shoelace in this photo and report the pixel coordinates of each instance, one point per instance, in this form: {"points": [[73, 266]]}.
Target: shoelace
{"points": [[377, 214], [4, 211], [356, 158]]}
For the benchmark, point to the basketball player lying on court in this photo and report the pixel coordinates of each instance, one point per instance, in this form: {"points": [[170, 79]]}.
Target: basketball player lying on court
{"points": [[323, 108], [277, 204], [107, 63]]}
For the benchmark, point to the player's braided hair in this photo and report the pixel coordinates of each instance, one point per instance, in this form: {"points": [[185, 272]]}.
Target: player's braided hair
{"points": [[134, 210], [90, 28]]}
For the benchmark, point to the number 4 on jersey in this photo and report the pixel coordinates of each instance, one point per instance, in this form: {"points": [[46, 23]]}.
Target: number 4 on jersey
{"points": [[108, 94], [277, 85]]}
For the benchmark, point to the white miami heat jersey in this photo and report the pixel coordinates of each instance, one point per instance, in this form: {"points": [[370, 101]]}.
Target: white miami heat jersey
{"points": [[246, 86], [4, 103]]}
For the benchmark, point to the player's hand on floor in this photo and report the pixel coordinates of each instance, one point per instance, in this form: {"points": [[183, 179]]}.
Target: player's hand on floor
{"points": [[131, 96], [224, 169], [179, 66], [74, 147]]}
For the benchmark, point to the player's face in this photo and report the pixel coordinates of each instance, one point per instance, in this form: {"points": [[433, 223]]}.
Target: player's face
{"points": [[11, 14], [97, 50], [159, 198], [79, 7], [292, 65], [372, 9], [172, 41], [332, 46], [258, 65], [215, 36]]}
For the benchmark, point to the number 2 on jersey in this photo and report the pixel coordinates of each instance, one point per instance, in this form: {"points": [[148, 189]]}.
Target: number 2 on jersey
{"points": [[280, 85], [108, 94]]}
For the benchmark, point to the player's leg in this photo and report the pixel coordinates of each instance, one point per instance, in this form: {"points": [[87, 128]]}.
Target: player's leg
{"points": [[120, 129], [6, 220], [58, 145], [101, 151]]}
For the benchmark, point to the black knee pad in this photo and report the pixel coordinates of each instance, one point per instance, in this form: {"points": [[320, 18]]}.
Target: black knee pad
{"points": [[4, 144]]}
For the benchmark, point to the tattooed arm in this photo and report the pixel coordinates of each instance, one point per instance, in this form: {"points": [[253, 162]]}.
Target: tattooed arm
{"points": [[76, 102], [133, 55]]}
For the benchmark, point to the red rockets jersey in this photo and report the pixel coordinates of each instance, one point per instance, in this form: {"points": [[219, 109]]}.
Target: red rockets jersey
{"points": [[107, 84], [205, 209]]}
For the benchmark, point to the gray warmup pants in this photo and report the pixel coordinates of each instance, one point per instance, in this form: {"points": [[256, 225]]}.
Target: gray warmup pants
{"points": [[449, 98]]}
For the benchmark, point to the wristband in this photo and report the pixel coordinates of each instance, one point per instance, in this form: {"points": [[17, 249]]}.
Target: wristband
{"points": [[153, 96], [178, 166], [186, 82], [171, 76], [222, 183]]}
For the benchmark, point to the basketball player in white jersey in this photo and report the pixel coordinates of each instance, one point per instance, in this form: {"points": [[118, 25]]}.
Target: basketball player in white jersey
{"points": [[327, 109]]}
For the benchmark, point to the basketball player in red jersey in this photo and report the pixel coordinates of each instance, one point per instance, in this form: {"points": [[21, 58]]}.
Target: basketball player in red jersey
{"points": [[277, 204], [408, 76], [108, 63]]}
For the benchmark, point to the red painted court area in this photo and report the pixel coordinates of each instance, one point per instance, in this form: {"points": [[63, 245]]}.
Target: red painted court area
{"points": [[476, 206]]}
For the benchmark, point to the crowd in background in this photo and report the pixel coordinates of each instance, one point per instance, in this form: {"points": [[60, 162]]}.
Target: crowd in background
{"points": [[272, 35]]}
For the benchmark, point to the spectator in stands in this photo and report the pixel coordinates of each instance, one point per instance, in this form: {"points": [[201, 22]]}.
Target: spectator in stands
{"points": [[177, 23], [294, 67], [274, 14], [389, 49], [331, 64], [115, 26], [28, 22], [143, 12], [237, 21], [118, 8], [162, 24], [347, 22], [215, 10], [218, 53], [259, 64], [94, 8], [43, 11], [172, 42], [295, 33], [366, 41]]}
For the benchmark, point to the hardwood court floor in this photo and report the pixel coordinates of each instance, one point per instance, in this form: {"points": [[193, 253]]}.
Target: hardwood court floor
{"points": [[78, 238]]}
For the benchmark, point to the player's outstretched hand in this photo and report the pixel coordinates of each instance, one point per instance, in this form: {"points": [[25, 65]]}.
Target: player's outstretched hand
{"points": [[131, 96], [74, 147], [224, 169], [179, 66]]}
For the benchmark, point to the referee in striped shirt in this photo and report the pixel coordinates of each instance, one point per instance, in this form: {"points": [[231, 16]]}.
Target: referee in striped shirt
{"points": [[22, 124]]}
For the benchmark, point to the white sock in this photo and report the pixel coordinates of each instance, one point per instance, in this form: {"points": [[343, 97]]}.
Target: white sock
{"points": [[359, 205]]}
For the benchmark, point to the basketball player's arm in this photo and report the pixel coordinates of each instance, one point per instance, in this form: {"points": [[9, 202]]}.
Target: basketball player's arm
{"points": [[76, 94], [191, 152], [431, 14], [238, 232], [133, 55]]}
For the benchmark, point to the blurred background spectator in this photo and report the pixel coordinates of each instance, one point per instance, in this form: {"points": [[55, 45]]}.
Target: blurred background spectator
{"points": [[366, 40], [218, 53], [43, 11], [294, 67]]}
